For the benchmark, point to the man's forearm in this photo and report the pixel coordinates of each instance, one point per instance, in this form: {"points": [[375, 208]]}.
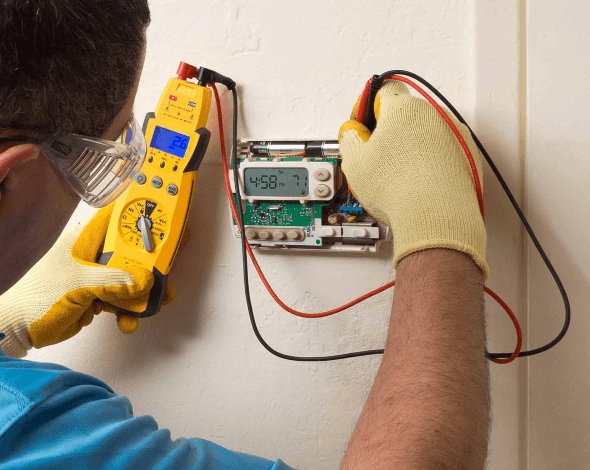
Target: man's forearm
{"points": [[429, 405]]}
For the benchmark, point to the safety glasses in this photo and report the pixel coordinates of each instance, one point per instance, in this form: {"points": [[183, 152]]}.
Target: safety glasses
{"points": [[97, 170]]}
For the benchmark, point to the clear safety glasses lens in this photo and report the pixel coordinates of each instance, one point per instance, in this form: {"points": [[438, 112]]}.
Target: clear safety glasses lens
{"points": [[96, 169]]}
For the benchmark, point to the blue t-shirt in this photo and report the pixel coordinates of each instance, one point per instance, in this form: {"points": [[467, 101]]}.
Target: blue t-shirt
{"points": [[54, 418]]}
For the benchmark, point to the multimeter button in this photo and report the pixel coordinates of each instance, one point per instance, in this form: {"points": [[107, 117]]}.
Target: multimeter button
{"points": [[162, 165], [278, 235], [322, 174], [359, 232], [175, 167], [172, 189], [264, 235], [157, 182], [140, 178], [322, 190], [151, 159]]}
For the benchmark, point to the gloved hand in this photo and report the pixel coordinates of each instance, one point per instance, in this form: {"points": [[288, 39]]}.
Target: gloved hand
{"points": [[62, 292], [412, 174]]}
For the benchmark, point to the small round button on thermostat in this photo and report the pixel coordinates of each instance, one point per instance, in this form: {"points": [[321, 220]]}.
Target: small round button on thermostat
{"points": [[293, 235], [322, 174], [157, 182], [322, 190], [172, 189], [328, 232]]}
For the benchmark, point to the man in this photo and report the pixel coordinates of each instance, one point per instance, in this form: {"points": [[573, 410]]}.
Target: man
{"points": [[73, 67]]}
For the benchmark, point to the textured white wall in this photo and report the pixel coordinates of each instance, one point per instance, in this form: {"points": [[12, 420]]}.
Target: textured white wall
{"points": [[197, 367]]}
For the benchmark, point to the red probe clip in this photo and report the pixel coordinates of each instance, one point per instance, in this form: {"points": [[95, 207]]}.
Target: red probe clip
{"points": [[186, 71]]}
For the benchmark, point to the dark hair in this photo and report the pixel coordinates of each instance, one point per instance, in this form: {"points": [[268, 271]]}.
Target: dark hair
{"points": [[68, 65]]}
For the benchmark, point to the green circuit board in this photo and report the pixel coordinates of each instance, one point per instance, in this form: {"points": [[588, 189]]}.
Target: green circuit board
{"points": [[283, 213]]}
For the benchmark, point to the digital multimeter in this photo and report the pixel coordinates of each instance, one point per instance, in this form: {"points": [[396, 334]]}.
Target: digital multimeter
{"points": [[149, 218]]}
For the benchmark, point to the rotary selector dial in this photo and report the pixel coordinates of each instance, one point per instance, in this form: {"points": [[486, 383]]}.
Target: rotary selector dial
{"points": [[144, 224]]}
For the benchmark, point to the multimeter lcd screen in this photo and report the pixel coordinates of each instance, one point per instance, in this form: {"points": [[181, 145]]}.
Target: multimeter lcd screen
{"points": [[276, 182], [169, 141]]}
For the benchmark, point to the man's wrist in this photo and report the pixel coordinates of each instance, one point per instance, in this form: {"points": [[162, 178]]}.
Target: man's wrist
{"points": [[435, 262]]}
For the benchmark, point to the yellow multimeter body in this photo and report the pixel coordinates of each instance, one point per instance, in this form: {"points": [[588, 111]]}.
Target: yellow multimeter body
{"points": [[149, 218]]}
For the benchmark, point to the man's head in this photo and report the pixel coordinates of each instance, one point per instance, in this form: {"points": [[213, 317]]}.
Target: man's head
{"points": [[66, 66]]}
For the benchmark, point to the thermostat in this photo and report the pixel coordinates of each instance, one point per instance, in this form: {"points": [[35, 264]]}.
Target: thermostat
{"points": [[295, 197]]}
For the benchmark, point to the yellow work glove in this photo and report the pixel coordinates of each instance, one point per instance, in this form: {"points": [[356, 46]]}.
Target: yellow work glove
{"points": [[62, 292], [413, 174]]}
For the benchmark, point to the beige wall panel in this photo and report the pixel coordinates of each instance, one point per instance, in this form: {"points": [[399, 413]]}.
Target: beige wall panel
{"points": [[498, 63], [558, 194]]}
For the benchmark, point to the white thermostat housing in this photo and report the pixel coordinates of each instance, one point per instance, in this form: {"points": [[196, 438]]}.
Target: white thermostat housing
{"points": [[294, 196]]}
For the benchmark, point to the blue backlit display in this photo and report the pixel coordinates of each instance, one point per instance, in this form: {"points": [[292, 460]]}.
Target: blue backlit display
{"points": [[169, 141]]}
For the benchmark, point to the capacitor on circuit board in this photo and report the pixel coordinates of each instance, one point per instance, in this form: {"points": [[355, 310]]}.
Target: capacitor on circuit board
{"points": [[334, 219]]}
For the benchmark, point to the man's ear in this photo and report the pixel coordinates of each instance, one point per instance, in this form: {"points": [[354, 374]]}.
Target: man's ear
{"points": [[16, 156]]}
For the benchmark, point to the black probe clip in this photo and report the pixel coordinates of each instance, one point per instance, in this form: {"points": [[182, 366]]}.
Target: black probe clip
{"points": [[207, 76], [370, 122]]}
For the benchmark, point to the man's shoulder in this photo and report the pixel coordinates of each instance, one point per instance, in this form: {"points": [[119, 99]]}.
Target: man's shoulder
{"points": [[44, 407], [25, 385], [39, 379]]}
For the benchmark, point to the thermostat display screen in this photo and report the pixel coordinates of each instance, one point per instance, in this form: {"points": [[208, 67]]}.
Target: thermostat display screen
{"points": [[169, 141], [278, 182]]}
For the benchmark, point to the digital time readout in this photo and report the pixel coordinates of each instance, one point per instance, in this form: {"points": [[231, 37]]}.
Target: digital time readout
{"points": [[169, 141], [279, 182]]}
